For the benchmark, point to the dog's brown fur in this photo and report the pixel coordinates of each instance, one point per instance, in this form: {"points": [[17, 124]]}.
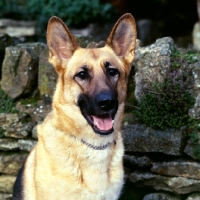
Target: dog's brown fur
{"points": [[71, 160]]}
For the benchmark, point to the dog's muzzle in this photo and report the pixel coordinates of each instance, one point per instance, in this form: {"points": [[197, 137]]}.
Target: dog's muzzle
{"points": [[99, 111]]}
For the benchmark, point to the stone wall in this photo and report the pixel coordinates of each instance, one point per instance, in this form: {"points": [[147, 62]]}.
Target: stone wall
{"points": [[158, 164]]}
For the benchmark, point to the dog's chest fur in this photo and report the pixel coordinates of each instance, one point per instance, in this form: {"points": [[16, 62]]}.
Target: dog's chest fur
{"points": [[91, 174]]}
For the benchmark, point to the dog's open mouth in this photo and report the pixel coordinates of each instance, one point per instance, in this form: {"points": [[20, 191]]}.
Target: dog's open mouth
{"points": [[102, 125]]}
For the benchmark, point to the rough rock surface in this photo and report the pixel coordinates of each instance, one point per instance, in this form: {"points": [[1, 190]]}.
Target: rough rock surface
{"points": [[5, 196], [164, 152], [194, 196], [195, 111], [180, 168], [47, 76], [138, 138], [7, 144], [19, 70], [18, 28], [195, 36], [6, 183], [161, 196], [11, 163], [13, 126], [178, 185], [140, 161], [151, 64], [34, 132], [26, 145], [190, 149], [7, 119], [19, 130], [37, 112], [5, 41]]}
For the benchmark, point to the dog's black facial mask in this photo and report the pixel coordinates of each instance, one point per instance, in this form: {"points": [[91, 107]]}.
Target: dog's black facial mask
{"points": [[99, 110]]}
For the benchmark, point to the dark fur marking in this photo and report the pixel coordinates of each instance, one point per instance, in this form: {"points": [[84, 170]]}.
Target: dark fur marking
{"points": [[18, 186]]}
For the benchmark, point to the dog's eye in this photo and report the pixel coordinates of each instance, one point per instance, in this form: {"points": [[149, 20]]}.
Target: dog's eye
{"points": [[112, 71], [82, 75]]}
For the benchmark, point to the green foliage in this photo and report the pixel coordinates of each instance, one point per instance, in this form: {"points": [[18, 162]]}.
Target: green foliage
{"points": [[12, 9], [1, 133], [165, 105], [6, 104], [194, 129], [73, 12], [181, 57], [130, 98], [195, 139]]}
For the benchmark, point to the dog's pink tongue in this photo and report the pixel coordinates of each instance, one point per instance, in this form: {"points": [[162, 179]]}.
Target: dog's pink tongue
{"points": [[103, 124]]}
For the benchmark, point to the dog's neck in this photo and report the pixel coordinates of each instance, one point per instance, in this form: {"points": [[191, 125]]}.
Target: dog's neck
{"points": [[98, 147]]}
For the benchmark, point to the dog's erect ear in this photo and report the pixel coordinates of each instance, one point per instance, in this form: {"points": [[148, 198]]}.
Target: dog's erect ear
{"points": [[60, 41], [122, 38]]}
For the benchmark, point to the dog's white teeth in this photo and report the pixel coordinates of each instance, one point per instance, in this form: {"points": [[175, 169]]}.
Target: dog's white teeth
{"points": [[96, 123], [113, 121]]}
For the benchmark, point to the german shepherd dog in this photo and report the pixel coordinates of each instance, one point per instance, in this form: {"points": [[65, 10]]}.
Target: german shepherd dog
{"points": [[80, 149]]}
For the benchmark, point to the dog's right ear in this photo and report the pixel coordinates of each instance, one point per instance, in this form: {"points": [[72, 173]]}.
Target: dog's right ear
{"points": [[60, 41], [122, 38]]}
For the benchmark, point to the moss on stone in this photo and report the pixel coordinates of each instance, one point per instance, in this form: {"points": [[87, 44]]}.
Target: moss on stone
{"points": [[166, 104], [7, 105]]}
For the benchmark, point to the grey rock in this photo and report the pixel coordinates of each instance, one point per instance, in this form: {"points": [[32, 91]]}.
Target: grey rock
{"points": [[18, 28], [26, 145], [7, 144], [84, 41], [5, 196], [34, 132], [19, 70], [37, 111], [196, 76], [7, 119], [11, 163], [5, 41], [195, 111], [190, 149], [177, 185], [196, 36], [13, 126], [151, 64], [19, 130], [41, 111], [6, 183], [47, 75], [140, 161], [194, 196], [161, 196], [187, 169], [138, 138]]}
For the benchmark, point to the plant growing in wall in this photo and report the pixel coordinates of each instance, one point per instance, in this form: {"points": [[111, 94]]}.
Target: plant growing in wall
{"points": [[6, 103], [166, 104]]}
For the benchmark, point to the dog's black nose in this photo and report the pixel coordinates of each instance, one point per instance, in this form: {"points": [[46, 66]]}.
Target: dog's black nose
{"points": [[106, 101]]}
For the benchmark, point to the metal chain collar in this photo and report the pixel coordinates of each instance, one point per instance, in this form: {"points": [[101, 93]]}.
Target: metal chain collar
{"points": [[97, 147]]}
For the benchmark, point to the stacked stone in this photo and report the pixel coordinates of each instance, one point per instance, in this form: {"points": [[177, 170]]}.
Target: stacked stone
{"points": [[162, 162]]}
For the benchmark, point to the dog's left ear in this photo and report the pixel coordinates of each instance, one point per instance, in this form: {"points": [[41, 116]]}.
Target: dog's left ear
{"points": [[122, 38]]}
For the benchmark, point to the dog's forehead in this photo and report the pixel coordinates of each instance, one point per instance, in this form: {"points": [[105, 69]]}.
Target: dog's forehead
{"points": [[94, 56]]}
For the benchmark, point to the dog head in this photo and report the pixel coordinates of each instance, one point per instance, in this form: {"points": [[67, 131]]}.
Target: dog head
{"points": [[92, 81]]}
